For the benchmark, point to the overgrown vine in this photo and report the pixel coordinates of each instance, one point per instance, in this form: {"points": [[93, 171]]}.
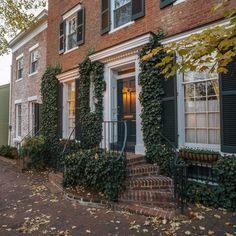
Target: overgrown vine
{"points": [[90, 122]]}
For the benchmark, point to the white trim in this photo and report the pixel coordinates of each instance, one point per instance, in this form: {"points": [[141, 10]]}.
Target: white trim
{"points": [[19, 101], [128, 75], [214, 147], [20, 56], [121, 48], [121, 27], [32, 98], [29, 37], [18, 80], [71, 12], [34, 73], [178, 2], [71, 50], [184, 35], [69, 75], [34, 47]]}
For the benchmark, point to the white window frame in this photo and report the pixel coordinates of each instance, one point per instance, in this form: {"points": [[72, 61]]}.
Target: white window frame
{"points": [[35, 50], [181, 119], [68, 20], [17, 116], [113, 28]]}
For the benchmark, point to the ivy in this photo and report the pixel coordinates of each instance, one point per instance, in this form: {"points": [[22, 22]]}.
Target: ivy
{"points": [[49, 92], [90, 122], [96, 169], [151, 100]]}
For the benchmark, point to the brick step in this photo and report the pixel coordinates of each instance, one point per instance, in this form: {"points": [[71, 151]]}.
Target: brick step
{"points": [[135, 160], [149, 183], [160, 213], [147, 197], [143, 170]]}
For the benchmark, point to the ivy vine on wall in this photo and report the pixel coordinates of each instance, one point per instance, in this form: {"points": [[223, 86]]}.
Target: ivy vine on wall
{"points": [[151, 79], [90, 122]]}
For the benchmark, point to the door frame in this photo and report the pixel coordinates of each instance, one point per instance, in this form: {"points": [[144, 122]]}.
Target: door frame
{"points": [[110, 95]]}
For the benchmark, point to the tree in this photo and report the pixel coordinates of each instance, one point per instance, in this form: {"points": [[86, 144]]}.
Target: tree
{"points": [[16, 16], [211, 50]]}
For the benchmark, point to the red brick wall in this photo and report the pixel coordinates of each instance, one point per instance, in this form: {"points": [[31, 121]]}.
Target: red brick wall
{"points": [[173, 19]]}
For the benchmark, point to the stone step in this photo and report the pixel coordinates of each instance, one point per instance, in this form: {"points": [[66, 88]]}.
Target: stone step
{"points": [[160, 213], [146, 170], [149, 183], [135, 160], [148, 197]]}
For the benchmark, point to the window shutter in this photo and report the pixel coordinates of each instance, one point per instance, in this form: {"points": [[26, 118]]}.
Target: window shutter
{"points": [[105, 16], [80, 26], [228, 109], [164, 3], [38, 117], [169, 112], [77, 129], [60, 110], [138, 9], [62, 38]]}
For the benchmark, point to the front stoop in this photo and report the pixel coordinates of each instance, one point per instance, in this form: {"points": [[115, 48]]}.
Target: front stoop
{"points": [[147, 192]]}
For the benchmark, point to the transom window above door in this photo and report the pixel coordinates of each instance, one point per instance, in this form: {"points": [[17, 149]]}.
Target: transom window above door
{"points": [[201, 108]]}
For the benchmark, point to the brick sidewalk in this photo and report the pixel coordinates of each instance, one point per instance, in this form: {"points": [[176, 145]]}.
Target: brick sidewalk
{"points": [[30, 204]]}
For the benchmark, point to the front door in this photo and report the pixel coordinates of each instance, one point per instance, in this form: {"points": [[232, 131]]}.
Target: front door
{"points": [[126, 102]]}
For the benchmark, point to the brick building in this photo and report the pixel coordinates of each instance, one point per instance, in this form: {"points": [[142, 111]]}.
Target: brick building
{"points": [[28, 65], [116, 30]]}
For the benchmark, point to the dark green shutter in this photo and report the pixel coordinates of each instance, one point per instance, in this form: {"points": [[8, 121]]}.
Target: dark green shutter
{"points": [[62, 37], [38, 117], [80, 26], [138, 9], [228, 109], [105, 16], [169, 112], [60, 110], [164, 3], [77, 129]]}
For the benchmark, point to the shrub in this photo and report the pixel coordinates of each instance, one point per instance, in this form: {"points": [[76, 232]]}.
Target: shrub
{"points": [[8, 151], [221, 195], [33, 148], [94, 168]]}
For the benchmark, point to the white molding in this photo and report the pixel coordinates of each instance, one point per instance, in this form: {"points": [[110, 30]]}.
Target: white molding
{"points": [[71, 50], [184, 35], [178, 2], [18, 80], [34, 47], [20, 56], [32, 98], [34, 73], [121, 27], [71, 12], [19, 101], [69, 75], [123, 47], [30, 36], [128, 75]]}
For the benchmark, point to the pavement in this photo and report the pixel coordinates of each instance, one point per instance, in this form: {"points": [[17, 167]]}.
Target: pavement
{"points": [[30, 205]]}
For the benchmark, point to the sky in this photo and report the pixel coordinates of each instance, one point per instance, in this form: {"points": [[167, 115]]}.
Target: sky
{"points": [[5, 69]]}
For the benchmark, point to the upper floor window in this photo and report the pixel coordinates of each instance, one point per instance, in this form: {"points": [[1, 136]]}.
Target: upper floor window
{"points": [[34, 58], [71, 35], [20, 65], [122, 12]]}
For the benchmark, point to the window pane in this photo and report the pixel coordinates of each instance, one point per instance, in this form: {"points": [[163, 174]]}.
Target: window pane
{"points": [[214, 120], [122, 15], [213, 104], [190, 120], [201, 120], [189, 105], [200, 89], [201, 104], [189, 90], [190, 135], [201, 136], [214, 136]]}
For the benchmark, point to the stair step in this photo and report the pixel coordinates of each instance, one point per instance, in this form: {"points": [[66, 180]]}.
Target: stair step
{"points": [[146, 211], [143, 170], [147, 197], [149, 183], [135, 160]]}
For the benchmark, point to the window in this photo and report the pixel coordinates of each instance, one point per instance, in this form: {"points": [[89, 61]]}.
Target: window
{"points": [[20, 64], [201, 108], [92, 97], [122, 12], [34, 57], [71, 36], [18, 120], [70, 109]]}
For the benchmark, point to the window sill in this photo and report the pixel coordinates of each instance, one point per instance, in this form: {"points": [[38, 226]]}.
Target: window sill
{"points": [[18, 80], [71, 50], [178, 2], [121, 27], [17, 139], [214, 147], [36, 72]]}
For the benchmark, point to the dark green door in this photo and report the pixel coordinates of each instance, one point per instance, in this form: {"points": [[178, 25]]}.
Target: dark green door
{"points": [[127, 109]]}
